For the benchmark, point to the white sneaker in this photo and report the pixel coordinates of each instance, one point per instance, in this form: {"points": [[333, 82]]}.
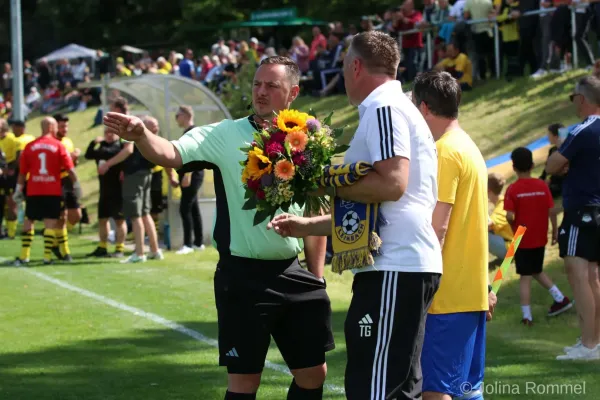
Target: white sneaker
{"points": [[539, 73], [156, 256], [200, 248], [185, 250], [134, 258], [581, 353], [568, 349]]}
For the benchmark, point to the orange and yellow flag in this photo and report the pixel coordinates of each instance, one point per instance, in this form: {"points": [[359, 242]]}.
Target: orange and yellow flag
{"points": [[510, 254]]}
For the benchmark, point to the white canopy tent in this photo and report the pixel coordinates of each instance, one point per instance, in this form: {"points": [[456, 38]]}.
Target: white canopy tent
{"points": [[70, 52]]}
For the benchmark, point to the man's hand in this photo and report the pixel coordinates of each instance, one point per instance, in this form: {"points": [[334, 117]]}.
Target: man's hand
{"points": [[18, 195], [492, 301], [554, 236], [287, 225], [103, 168], [174, 182], [126, 127]]}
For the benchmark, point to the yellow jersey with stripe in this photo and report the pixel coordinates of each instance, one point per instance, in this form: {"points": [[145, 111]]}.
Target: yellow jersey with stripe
{"points": [[70, 147]]}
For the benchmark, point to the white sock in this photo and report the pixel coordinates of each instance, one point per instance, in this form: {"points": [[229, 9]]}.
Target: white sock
{"points": [[527, 312], [556, 294]]}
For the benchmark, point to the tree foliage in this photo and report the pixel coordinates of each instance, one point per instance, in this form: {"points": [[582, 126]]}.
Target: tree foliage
{"points": [[152, 24]]}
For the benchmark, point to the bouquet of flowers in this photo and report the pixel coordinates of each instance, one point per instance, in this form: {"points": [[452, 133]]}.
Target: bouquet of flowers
{"points": [[285, 162]]}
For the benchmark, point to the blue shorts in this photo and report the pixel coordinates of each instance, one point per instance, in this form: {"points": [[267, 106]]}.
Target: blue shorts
{"points": [[453, 357]]}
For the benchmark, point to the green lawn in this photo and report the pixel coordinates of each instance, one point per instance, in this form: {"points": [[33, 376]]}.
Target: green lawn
{"points": [[101, 330]]}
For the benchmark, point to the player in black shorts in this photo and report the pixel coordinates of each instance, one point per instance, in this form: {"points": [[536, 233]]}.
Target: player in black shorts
{"points": [[579, 233], [110, 202]]}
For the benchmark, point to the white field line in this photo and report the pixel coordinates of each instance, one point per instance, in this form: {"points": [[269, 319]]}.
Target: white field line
{"points": [[157, 319]]}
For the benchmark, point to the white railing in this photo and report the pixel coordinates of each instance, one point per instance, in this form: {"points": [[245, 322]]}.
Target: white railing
{"points": [[428, 30]]}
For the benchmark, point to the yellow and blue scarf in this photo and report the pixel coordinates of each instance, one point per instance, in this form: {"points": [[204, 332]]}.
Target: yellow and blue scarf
{"points": [[355, 226]]}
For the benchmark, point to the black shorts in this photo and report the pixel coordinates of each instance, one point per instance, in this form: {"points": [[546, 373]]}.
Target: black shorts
{"points": [[39, 208], [579, 234], [110, 205], [384, 330], [69, 199], [157, 201], [530, 261], [257, 299]]}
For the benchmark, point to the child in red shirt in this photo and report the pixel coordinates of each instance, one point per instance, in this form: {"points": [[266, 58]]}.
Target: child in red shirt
{"points": [[528, 202]]}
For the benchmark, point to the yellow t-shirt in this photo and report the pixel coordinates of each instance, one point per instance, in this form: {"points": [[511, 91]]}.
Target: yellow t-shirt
{"points": [[501, 226], [23, 141], [462, 182], [70, 147], [459, 64], [8, 146]]}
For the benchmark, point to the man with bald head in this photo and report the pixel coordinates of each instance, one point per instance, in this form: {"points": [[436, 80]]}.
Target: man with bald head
{"points": [[43, 160], [136, 195]]}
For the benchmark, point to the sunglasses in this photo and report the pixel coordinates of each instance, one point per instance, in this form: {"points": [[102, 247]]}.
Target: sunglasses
{"points": [[572, 96]]}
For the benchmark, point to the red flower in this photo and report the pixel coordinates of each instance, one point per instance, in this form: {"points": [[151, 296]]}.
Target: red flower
{"points": [[254, 144], [298, 158], [278, 137], [260, 194], [274, 121], [253, 184], [272, 149]]}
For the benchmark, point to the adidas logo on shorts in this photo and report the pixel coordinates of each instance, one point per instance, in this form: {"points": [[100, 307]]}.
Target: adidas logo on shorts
{"points": [[232, 353], [365, 326]]}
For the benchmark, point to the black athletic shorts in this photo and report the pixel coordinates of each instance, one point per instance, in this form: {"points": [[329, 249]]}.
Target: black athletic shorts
{"points": [[39, 208], [110, 204], [530, 261], [257, 299], [579, 234], [384, 330], [69, 199]]}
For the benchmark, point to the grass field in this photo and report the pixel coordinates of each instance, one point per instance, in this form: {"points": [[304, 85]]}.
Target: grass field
{"points": [[102, 330]]}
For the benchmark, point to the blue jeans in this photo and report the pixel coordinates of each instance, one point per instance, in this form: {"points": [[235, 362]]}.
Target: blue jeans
{"points": [[497, 245]]}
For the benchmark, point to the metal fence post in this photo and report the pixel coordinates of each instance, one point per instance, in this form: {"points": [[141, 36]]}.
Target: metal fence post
{"points": [[573, 33], [497, 49], [429, 50]]}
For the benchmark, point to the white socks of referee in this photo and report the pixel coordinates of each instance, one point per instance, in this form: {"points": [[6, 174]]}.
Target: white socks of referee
{"points": [[556, 294]]}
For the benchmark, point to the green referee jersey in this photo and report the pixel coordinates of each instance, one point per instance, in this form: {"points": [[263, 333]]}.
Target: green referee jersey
{"points": [[217, 147]]}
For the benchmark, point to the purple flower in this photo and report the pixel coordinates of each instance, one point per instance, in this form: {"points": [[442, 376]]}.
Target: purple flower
{"points": [[313, 125], [267, 180]]}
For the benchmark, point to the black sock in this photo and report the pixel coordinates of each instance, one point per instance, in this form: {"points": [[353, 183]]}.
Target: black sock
{"points": [[298, 393], [240, 396]]}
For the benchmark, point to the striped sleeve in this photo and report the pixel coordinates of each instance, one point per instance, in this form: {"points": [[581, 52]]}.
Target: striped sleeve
{"points": [[388, 134]]}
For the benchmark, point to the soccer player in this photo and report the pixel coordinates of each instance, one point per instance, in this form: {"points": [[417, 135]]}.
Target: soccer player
{"points": [[21, 139], [7, 146], [71, 208], [454, 348], [260, 288], [110, 202], [43, 160], [391, 297]]}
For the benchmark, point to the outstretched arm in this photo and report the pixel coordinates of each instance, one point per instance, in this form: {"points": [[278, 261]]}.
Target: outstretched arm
{"points": [[155, 149]]}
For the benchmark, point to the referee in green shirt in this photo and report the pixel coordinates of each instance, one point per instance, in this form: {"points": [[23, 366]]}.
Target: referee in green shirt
{"points": [[260, 288]]}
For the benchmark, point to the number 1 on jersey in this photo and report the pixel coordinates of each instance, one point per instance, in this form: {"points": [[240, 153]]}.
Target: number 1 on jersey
{"points": [[43, 170]]}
